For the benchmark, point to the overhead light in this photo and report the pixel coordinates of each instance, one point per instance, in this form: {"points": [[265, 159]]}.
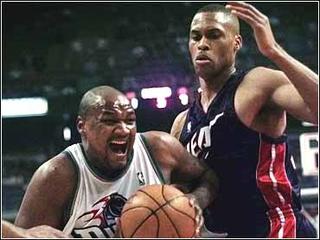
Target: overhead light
{"points": [[67, 133], [161, 102], [156, 92], [24, 107], [134, 103], [183, 95], [184, 99]]}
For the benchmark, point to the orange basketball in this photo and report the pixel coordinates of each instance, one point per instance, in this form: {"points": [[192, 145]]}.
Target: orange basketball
{"points": [[158, 211]]}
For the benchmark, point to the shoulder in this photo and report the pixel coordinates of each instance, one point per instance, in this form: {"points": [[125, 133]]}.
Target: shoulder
{"points": [[57, 167], [253, 101], [158, 138], [163, 146], [54, 173], [263, 77], [48, 193], [258, 85], [178, 124]]}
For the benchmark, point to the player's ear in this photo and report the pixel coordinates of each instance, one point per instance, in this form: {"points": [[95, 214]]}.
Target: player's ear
{"points": [[80, 125], [237, 42]]}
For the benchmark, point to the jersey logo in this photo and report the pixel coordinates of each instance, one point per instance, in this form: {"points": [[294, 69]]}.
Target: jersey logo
{"points": [[200, 142], [102, 219], [141, 178]]}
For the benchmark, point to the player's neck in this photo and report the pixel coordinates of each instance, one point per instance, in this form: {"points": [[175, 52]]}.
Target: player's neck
{"points": [[211, 87]]}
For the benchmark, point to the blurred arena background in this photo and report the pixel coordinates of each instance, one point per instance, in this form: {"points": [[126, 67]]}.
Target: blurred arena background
{"points": [[55, 51]]}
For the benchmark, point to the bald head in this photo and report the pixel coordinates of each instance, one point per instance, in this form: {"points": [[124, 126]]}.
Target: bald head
{"points": [[228, 16], [100, 97]]}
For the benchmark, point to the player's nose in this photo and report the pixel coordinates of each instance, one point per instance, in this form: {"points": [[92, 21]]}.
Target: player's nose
{"points": [[122, 129], [203, 44]]}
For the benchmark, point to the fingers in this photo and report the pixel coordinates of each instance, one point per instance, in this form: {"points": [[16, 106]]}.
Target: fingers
{"points": [[242, 6], [247, 12], [198, 215], [200, 222]]}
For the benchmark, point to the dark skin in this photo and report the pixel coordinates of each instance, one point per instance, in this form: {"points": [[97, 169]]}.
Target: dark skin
{"points": [[265, 95], [11, 231], [108, 126]]}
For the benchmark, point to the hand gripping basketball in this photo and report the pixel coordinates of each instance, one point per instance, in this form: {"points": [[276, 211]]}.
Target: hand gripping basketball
{"points": [[160, 211], [199, 217]]}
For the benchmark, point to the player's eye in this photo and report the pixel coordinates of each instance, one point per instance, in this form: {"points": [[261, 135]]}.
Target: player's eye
{"points": [[214, 34], [109, 121], [195, 36]]}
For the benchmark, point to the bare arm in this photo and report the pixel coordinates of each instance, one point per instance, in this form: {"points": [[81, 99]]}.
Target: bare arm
{"points": [[180, 167], [178, 124], [11, 231], [297, 92], [48, 194]]}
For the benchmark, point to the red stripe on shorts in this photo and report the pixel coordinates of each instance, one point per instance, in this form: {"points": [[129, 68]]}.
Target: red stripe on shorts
{"points": [[276, 189]]}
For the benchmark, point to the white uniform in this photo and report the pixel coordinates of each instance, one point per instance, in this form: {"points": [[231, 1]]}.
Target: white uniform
{"points": [[98, 202]]}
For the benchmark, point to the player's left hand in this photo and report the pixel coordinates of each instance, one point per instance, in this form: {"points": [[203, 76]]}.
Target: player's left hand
{"points": [[199, 217], [259, 23], [43, 231]]}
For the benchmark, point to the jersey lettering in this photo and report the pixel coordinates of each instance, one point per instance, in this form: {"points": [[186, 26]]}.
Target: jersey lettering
{"points": [[201, 140]]}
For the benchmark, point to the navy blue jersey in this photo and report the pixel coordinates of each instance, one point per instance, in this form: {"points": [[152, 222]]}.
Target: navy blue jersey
{"points": [[259, 190]]}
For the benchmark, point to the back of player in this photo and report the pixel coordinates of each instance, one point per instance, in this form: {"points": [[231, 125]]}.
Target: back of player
{"points": [[259, 194]]}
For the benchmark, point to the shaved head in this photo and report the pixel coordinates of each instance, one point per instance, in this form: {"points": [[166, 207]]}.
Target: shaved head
{"points": [[100, 97], [228, 16]]}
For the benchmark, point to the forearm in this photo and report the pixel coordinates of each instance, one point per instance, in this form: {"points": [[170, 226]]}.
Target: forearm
{"points": [[11, 231], [303, 78], [207, 189]]}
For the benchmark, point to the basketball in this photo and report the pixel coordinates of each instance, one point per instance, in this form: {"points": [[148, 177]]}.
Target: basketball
{"points": [[158, 211]]}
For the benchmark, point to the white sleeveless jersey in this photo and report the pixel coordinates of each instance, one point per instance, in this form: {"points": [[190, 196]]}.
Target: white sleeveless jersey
{"points": [[98, 202]]}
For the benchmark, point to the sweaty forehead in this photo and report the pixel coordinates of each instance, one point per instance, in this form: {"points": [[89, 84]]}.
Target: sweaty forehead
{"points": [[112, 102], [209, 19]]}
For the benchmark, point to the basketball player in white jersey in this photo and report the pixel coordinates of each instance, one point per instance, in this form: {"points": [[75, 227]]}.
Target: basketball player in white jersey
{"points": [[82, 190]]}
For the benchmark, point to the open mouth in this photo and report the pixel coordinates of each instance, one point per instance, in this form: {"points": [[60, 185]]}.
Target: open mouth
{"points": [[118, 147]]}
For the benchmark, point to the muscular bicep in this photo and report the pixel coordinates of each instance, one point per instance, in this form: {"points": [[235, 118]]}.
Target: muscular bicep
{"points": [[193, 176], [268, 94], [178, 124], [179, 167], [187, 167], [288, 98], [45, 198]]}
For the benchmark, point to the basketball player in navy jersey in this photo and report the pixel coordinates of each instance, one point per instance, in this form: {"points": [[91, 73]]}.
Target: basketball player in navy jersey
{"points": [[237, 125], [83, 189]]}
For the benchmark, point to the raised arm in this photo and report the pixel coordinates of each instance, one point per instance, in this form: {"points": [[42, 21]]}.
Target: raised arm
{"points": [[48, 194], [297, 91]]}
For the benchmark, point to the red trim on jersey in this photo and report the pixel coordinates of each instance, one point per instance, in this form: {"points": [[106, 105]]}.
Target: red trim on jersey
{"points": [[276, 189]]}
